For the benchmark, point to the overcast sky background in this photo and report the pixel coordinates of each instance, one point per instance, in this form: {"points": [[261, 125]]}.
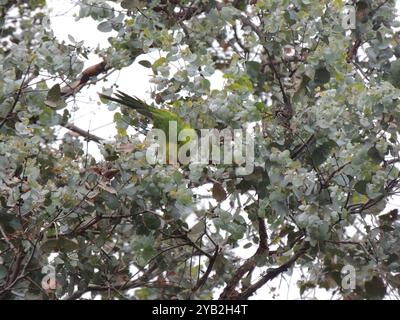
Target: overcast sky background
{"points": [[89, 114]]}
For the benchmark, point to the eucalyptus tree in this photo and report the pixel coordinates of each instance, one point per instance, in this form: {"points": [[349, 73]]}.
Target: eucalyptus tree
{"points": [[318, 83]]}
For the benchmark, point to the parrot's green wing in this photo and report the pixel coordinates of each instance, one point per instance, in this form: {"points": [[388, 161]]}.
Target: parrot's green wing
{"points": [[130, 102], [160, 117]]}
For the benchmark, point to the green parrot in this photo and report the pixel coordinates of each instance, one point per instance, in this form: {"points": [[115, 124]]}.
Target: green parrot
{"points": [[160, 118]]}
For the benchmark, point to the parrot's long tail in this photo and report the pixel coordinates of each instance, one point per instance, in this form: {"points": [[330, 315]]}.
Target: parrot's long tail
{"points": [[130, 102]]}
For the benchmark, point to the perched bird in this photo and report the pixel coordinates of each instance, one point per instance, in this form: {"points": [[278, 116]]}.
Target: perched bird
{"points": [[160, 118]]}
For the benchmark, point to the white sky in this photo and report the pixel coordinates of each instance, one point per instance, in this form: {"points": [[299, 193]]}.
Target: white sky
{"points": [[89, 114]]}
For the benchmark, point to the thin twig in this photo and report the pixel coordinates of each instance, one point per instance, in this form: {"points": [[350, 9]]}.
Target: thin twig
{"points": [[7, 240], [205, 276], [273, 273]]}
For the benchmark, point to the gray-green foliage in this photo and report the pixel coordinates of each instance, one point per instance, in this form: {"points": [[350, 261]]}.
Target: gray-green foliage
{"points": [[325, 158]]}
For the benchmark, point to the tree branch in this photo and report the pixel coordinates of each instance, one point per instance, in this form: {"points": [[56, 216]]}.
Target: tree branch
{"points": [[205, 276], [141, 281], [87, 74], [229, 291], [303, 146], [272, 274], [7, 240], [88, 136]]}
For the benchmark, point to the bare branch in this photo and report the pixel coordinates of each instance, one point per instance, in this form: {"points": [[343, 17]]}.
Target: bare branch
{"points": [[273, 273], [88, 136], [7, 240], [205, 276]]}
